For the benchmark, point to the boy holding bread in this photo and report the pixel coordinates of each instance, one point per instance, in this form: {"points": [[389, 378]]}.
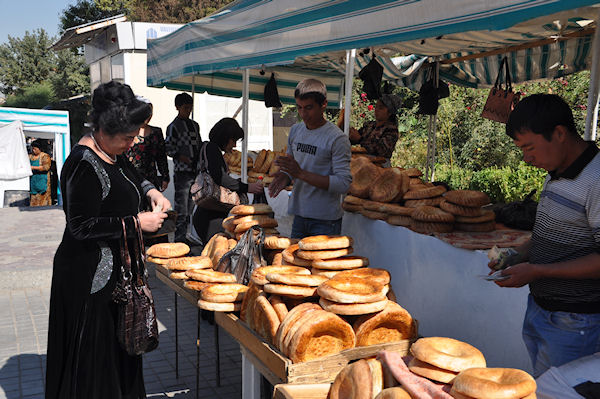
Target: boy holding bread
{"points": [[561, 262], [318, 164]]}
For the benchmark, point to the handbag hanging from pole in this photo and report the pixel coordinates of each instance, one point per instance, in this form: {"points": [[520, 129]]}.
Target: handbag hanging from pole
{"points": [[209, 195], [500, 101], [137, 329]]}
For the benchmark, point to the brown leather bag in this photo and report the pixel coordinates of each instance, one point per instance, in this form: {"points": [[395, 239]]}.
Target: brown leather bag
{"points": [[500, 101], [137, 329]]}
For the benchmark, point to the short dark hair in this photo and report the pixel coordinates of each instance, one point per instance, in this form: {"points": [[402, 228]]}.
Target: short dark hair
{"points": [[224, 130], [183, 98], [541, 113], [115, 109]]}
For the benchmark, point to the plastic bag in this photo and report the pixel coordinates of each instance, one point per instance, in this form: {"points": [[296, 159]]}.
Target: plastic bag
{"points": [[246, 256], [519, 214]]}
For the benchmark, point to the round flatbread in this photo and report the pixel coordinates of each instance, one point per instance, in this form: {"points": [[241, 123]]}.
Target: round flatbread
{"points": [[290, 255], [190, 262], [275, 242], [251, 209], [486, 216], [323, 272], [210, 276], [292, 291], [259, 274], [399, 220], [436, 201], [222, 293], [432, 214], [352, 290], [321, 242], [380, 276], [392, 324], [430, 227], [353, 309], [459, 210], [168, 250], [304, 280], [428, 192], [373, 214], [388, 185], [324, 254], [343, 263], [219, 307], [447, 353], [469, 198], [195, 285]]}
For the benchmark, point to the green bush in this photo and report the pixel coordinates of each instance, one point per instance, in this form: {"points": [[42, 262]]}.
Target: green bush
{"points": [[505, 184]]}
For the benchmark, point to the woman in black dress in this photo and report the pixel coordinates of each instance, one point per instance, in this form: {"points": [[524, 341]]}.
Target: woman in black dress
{"points": [[100, 189], [222, 138]]}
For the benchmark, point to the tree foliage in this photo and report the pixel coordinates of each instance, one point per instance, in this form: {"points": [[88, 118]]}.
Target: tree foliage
{"points": [[25, 61], [37, 95], [85, 11], [173, 11]]}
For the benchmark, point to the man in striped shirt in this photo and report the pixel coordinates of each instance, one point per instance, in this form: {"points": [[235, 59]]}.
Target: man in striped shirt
{"points": [[561, 262]]}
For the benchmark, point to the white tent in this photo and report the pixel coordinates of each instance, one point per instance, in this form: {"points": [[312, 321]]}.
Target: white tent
{"points": [[44, 124]]}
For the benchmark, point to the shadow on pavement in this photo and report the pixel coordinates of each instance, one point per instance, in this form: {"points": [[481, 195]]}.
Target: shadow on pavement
{"points": [[23, 376]]}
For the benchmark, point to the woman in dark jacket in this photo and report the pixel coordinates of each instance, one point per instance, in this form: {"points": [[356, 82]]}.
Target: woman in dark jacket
{"points": [[222, 138]]}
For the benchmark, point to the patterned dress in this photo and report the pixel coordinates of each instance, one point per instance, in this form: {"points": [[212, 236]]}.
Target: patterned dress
{"points": [[379, 140], [45, 198], [148, 155]]}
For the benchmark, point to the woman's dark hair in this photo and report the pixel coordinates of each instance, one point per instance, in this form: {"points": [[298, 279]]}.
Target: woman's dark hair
{"points": [[37, 144], [115, 109], [540, 114], [224, 130]]}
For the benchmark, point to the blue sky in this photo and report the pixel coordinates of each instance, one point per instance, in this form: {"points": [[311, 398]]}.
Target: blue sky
{"points": [[19, 16]]}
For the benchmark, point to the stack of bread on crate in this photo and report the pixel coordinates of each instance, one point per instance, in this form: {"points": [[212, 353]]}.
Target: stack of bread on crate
{"points": [[400, 197], [308, 315], [438, 367]]}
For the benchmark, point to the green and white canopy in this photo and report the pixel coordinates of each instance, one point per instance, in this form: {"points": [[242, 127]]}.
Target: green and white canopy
{"points": [[311, 37]]}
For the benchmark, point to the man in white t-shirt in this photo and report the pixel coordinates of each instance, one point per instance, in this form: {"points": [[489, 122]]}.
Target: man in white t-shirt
{"points": [[317, 162]]}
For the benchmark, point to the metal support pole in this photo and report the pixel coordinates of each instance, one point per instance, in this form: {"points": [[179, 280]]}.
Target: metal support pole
{"points": [[176, 340], [431, 132], [198, 355], [193, 95], [245, 97], [350, 56], [218, 355], [591, 120]]}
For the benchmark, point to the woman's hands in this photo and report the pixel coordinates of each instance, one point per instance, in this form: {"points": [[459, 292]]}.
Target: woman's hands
{"points": [[255, 188], [151, 221], [158, 200], [354, 135]]}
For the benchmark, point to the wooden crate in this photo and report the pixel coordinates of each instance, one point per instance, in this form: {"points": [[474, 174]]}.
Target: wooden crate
{"points": [[278, 369]]}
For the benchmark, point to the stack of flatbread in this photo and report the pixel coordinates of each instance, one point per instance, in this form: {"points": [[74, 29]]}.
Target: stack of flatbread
{"points": [[234, 161], [321, 247], [166, 252], [217, 246], [264, 166], [466, 206], [242, 217], [355, 292], [178, 266], [219, 291]]}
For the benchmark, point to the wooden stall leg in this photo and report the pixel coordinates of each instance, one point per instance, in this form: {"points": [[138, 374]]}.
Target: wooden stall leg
{"points": [[250, 380], [218, 355], [176, 340]]}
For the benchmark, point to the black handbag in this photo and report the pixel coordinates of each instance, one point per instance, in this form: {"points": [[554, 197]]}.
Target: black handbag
{"points": [[137, 329]]}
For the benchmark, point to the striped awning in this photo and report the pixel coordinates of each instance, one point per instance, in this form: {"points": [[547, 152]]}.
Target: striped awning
{"points": [[311, 37]]}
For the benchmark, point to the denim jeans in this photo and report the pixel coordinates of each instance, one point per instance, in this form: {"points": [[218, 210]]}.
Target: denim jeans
{"points": [[183, 203], [306, 227], [556, 338]]}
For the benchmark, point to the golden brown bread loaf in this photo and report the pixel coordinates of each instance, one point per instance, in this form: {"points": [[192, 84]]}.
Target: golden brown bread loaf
{"points": [[459, 210], [447, 353], [362, 179], [343, 263], [352, 290], [321, 242], [321, 335], [353, 309], [324, 254], [428, 192], [389, 185], [392, 324], [430, 371], [223, 293], [377, 275], [259, 275], [290, 318], [432, 214], [354, 381], [494, 383], [168, 250], [468, 198]]}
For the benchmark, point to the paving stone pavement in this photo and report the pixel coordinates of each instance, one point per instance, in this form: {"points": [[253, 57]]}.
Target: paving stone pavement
{"points": [[28, 240]]}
